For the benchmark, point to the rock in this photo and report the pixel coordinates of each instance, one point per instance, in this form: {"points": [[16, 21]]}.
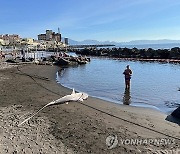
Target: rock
{"points": [[10, 61], [176, 113]]}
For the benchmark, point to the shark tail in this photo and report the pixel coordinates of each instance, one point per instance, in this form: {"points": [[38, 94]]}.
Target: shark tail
{"points": [[33, 115]]}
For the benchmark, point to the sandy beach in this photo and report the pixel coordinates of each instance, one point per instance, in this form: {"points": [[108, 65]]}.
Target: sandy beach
{"points": [[93, 126]]}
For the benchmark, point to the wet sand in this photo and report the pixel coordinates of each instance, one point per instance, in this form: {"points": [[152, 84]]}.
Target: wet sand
{"points": [[73, 128]]}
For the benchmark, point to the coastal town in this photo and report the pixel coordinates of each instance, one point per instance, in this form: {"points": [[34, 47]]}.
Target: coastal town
{"points": [[14, 49], [45, 42]]}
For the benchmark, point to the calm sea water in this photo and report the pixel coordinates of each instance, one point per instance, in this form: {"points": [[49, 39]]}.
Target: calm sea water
{"points": [[153, 85], [153, 46]]}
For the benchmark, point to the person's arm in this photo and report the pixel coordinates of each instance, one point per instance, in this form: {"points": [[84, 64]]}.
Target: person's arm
{"points": [[130, 72]]}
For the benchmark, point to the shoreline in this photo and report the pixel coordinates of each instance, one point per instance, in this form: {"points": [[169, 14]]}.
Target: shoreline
{"points": [[72, 128], [143, 106], [158, 60], [174, 61]]}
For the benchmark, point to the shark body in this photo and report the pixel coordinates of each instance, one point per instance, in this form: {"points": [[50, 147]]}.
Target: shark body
{"points": [[70, 98], [74, 97]]}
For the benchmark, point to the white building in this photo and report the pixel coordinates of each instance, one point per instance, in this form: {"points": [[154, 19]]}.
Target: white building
{"points": [[6, 42]]}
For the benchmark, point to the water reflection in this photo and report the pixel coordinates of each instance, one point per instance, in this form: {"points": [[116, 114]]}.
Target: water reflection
{"points": [[127, 97]]}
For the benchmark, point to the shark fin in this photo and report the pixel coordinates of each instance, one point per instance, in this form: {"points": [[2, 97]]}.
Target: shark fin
{"points": [[73, 92], [81, 100]]}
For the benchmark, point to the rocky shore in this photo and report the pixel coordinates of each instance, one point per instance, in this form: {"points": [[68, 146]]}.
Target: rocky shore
{"points": [[93, 126], [59, 59], [160, 55]]}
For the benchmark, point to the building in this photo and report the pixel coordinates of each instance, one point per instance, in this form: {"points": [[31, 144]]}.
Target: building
{"points": [[42, 37], [8, 37], [14, 36], [57, 37], [28, 40], [4, 42], [5, 37], [50, 36], [1, 41], [66, 41], [13, 39]]}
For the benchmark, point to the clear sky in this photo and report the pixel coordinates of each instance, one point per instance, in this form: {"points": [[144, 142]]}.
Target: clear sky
{"points": [[113, 20]]}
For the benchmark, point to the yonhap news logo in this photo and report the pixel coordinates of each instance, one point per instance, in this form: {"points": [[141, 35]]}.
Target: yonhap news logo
{"points": [[112, 141], [147, 141]]}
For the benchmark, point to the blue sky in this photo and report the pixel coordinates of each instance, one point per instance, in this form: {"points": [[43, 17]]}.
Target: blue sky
{"points": [[102, 20]]}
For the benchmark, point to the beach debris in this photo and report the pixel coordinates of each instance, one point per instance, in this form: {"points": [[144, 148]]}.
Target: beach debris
{"points": [[74, 97], [172, 103]]}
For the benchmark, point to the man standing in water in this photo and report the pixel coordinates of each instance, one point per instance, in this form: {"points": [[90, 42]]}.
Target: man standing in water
{"points": [[127, 74]]}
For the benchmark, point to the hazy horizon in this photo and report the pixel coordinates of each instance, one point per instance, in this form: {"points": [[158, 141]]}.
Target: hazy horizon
{"points": [[162, 41]]}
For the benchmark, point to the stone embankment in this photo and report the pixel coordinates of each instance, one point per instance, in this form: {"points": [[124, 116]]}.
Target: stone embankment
{"points": [[160, 55], [64, 60]]}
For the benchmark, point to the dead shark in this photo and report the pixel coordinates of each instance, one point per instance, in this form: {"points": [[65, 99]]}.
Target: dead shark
{"points": [[74, 97]]}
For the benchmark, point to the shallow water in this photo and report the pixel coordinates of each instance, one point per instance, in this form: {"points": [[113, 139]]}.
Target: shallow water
{"points": [[153, 85]]}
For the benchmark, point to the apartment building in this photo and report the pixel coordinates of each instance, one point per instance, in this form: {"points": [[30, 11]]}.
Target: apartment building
{"points": [[10, 39]]}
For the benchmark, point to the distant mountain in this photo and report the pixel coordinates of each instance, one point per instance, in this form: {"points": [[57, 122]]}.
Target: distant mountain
{"points": [[140, 42], [88, 42], [134, 42]]}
